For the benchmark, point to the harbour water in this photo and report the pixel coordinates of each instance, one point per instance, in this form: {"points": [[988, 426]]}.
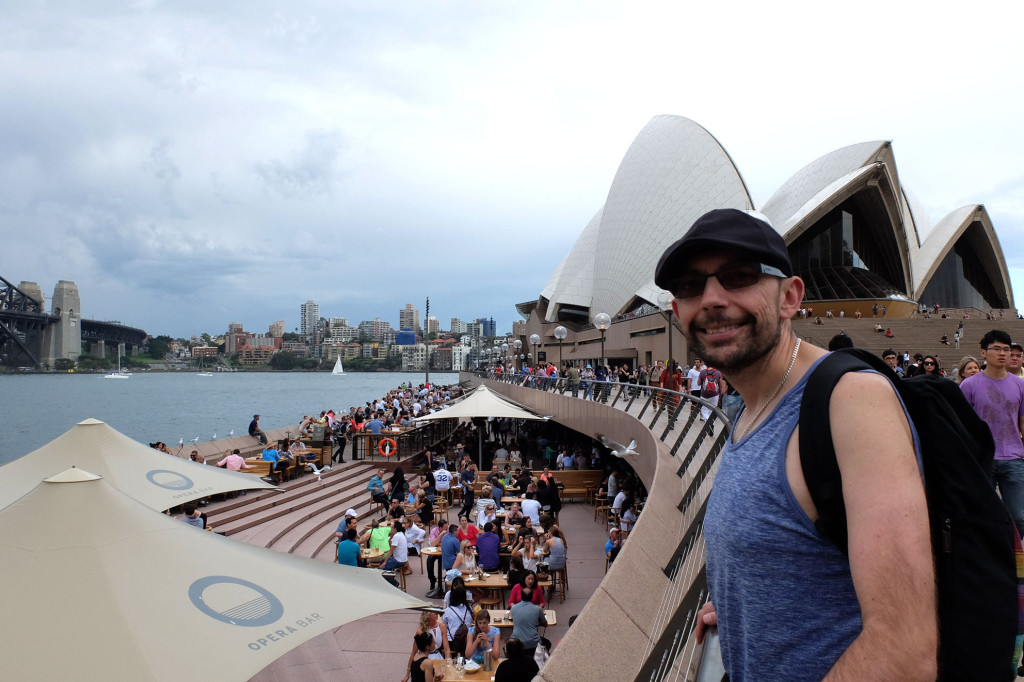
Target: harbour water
{"points": [[169, 407]]}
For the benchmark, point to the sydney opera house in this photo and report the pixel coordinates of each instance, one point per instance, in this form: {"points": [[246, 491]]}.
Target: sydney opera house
{"points": [[855, 234]]}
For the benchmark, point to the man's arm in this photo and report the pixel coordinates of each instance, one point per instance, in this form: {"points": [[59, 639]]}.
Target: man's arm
{"points": [[889, 542]]}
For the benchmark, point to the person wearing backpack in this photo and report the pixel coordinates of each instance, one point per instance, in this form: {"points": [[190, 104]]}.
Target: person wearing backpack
{"points": [[711, 385], [457, 618], [788, 603]]}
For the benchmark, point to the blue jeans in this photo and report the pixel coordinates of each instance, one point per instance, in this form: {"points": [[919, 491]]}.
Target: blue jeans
{"points": [[390, 566], [1008, 479], [731, 405]]}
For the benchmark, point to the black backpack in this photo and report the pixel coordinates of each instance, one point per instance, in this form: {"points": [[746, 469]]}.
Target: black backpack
{"points": [[974, 540], [460, 638]]}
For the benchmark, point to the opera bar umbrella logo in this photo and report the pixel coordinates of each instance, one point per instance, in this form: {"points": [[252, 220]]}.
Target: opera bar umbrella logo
{"points": [[235, 601], [171, 480]]}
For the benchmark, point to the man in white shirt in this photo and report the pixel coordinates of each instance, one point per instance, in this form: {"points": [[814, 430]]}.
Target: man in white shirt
{"points": [[693, 375], [531, 508], [414, 536], [443, 480], [398, 555], [619, 500]]}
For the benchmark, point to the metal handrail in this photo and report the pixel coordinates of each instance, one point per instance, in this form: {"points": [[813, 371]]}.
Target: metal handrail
{"points": [[622, 391]]}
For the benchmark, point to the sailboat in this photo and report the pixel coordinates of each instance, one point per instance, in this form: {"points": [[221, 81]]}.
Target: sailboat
{"points": [[338, 369], [120, 373], [203, 372]]}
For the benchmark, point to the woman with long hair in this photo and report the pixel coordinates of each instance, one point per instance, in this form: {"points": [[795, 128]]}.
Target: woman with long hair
{"points": [[968, 367], [423, 507], [529, 579], [430, 623], [483, 637], [421, 667], [466, 560], [931, 366], [398, 483]]}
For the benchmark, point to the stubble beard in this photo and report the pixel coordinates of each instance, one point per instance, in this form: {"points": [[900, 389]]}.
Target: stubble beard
{"points": [[761, 343]]}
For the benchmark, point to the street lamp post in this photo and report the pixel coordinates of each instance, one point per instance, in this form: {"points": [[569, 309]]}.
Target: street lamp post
{"points": [[516, 345], [665, 303], [560, 334], [602, 321], [535, 341]]}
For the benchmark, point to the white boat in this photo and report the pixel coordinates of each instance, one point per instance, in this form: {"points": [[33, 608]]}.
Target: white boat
{"points": [[203, 372], [338, 369], [120, 373]]}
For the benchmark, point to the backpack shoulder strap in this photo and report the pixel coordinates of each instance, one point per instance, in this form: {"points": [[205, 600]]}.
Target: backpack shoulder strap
{"points": [[817, 453]]}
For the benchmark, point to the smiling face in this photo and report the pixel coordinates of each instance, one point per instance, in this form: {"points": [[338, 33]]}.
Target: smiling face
{"points": [[734, 328]]}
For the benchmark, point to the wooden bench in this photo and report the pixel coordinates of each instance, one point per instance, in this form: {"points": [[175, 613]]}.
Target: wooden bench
{"points": [[574, 482], [257, 467]]}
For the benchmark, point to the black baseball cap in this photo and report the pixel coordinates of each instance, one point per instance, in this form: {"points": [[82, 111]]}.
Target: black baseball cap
{"points": [[747, 232]]}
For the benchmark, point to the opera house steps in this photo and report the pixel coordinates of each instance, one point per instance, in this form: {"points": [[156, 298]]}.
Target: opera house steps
{"points": [[300, 520], [916, 335]]}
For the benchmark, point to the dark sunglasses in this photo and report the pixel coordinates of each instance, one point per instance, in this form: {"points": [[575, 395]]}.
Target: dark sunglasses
{"points": [[731, 277], [928, 362]]}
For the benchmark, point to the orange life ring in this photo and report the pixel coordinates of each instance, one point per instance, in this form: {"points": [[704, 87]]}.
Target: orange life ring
{"points": [[390, 451]]}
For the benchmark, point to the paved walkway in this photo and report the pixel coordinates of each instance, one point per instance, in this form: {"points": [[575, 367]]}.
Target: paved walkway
{"points": [[377, 648]]}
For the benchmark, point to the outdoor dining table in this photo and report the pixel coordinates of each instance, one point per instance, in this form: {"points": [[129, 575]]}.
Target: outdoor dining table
{"points": [[501, 619], [492, 581], [447, 668], [372, 553], [510, 500], [431, 551]]}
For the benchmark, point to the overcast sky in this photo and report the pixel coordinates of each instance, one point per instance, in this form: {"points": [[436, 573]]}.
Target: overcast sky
{"points": [[190, 164]]}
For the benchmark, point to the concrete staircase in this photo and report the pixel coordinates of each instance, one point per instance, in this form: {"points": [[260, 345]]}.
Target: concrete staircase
{"points": [[916, 335], [302, 519]]}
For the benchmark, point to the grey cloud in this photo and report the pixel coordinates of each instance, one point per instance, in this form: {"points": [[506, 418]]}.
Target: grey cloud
{"points": [[311, 171]]}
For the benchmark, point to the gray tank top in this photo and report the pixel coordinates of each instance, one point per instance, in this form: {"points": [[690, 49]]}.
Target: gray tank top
{"points": [[784, 595]]}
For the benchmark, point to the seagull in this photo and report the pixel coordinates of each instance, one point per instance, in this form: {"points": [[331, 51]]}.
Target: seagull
{"points": [[312, 467], [195, 440], [214, 436], [618, 449], [231, 433], [181, 442]]}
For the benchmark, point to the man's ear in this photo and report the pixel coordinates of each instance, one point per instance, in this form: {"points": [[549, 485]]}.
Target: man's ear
{"points": [[791, 295]]}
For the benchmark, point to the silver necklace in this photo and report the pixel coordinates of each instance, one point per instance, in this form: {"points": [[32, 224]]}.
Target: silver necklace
{"points": [[768, 402]]}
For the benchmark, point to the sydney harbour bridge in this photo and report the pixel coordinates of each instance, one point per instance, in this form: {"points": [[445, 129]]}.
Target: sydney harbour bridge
{"points": [[32, 336]]}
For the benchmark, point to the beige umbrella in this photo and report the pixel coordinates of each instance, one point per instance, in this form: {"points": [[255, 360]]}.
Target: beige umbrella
{"points": [[482, 402], [98, 587], [156, 479]]}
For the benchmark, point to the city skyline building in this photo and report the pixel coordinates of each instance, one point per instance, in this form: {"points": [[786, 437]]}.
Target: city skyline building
{"points": [[409, 318], [309, 318]]}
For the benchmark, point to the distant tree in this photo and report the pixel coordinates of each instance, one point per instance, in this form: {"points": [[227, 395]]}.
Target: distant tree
{"points": [[431, 336], [284, 360], [206, 339], [159, 346], [290, 337], [63, 364], [310, 363]]}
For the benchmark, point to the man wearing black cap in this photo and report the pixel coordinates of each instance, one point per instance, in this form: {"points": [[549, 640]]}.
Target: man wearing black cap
{"points": [[254, 430], [788, 603]]}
